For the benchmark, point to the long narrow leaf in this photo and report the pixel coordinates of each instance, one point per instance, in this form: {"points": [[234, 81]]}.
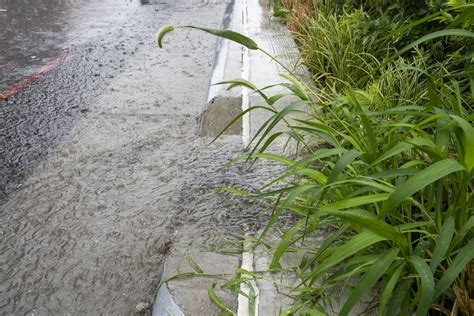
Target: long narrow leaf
{"points": [[464, 256], [388, 289], [230, 35], [342, 163], [364, 219], [420, 180], [365, 285], [443, 242], [340, 253], [213, 296], [427, 285]]}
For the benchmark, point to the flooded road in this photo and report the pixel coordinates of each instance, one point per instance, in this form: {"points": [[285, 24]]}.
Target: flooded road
{"points": [[101, 168]]}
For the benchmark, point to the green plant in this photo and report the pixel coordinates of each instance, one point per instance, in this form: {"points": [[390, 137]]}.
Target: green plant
{"points": [[393, 184]]}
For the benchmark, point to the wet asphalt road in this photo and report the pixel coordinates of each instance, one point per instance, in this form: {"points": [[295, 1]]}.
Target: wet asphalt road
{"points": [[97, 47], [100, 166]]}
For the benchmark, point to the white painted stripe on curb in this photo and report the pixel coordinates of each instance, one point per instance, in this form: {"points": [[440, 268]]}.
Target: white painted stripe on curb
{"points": [[243, 302], [245, 76]]}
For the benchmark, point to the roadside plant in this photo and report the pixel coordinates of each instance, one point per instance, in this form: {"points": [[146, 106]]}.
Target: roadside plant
{"points": [[392, 183]]}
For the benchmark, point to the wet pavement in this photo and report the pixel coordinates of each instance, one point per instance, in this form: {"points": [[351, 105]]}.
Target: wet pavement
{"points": [[101, 168]]}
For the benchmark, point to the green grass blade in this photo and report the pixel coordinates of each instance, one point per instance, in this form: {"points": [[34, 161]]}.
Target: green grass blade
{"points": [[274, 98], [214, 298], [193, 264], [270, 140], [369, 221], [328, 242], [368, 281], [267, 156], [318, 155], [279, 208], [466, 229], [244, 83], [420, 180], [285, 242], [428, 37], [427, 285], [342, 163], [292, 107], [355, 202], [161, 34], [298, 88], [399, 299], [235, 119], [388, 289], [395, 150], [313, 174], [340, 253], [230, 35], [464, 256], [468, 132], [442, 243]]}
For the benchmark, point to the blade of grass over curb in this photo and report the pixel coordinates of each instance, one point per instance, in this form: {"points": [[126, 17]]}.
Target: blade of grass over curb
{"points": [[280, 207], [420, 180], [297, 87], [271, 157], [427, 285], [243, 83], [355, 202], [213, 296], [185, 275], [365, 285], [227, 34], [285, 241], [292, 107], [241, 114], [230, 35], [193, 264]]}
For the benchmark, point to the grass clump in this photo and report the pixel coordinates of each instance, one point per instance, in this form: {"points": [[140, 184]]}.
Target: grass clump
{"points": [[393, 183]]}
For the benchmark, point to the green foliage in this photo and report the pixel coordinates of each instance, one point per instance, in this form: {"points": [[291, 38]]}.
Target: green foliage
{"points": [[404, 197], [397, 179], [394, 179]]}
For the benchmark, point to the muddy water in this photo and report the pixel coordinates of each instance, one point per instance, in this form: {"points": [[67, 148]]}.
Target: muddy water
{"points": [[105, 171]]}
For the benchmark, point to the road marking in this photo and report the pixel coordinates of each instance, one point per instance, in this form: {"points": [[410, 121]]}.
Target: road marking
{"points": [[7, 66], [49, 66]]}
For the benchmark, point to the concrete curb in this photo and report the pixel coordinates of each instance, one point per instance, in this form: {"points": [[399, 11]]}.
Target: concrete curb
{"points": [[252, 18], [186, 294]]}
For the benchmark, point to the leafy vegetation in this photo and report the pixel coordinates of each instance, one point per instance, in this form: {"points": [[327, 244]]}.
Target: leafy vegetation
{"points": [[392, 175]]}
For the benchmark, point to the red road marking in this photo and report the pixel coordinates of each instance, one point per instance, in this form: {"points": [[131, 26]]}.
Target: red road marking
{"points": [[34, 76], [7, 66]]}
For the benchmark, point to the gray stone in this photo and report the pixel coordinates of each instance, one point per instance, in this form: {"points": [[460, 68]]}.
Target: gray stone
{"points": [[219, 112]]}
